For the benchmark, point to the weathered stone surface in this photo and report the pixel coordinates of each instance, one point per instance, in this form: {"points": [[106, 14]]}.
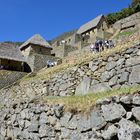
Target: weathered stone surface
{"points": [[105, 76], [52, 120], [72, 124], [136, 113], [124, 77], [65, 119], [138, 53], [43, 118], [84, 124], [120, 61], [27, 123], [128, 130], [81, 72], [100, 123], [127, 99], [112, 73], [75, 136], [46, 130], [99, 88], [17, 132], [113, 112], [63, 86], [103, 101], [94, 68], [58, 110], [34, 136], [24, 114], [43, 131], [113, 81], [93, 63], [83, 87], [124, 86], [65, 133], [129, 51], [128, 115], [135, 75], [111, 65], [33, 127], [1, 137], [133, 61], [136, 99], [96, 120], [25, 134], [110, 132], [93, 82]]}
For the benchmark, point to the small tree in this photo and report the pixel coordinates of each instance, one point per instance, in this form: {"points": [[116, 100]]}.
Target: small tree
{"points": [[136, 5]]}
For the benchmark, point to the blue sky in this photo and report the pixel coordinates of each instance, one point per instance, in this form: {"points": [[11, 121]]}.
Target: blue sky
{"points": [[20, 19]]}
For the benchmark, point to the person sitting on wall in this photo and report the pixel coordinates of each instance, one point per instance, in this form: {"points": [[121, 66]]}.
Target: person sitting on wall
{"points": [[106, 44], [1, 67], [101, 45], [97, 46], [111, 43], [91, 47], [51, 63]]}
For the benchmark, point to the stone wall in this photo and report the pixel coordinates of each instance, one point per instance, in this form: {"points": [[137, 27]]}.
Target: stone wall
{"points": [[59, 51], [129, 22], [9, 77], [39, 61], [119, 70], [115, 118], [63, 50]]}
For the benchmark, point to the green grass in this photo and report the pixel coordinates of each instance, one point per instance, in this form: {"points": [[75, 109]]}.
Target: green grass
{"points": [[125, 33], [85, 103]]}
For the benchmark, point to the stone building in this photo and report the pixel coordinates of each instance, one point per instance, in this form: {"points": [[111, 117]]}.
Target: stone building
{"points": [[85, 35], [37, 52], [11, 57], [65, 43], [94, 29]]}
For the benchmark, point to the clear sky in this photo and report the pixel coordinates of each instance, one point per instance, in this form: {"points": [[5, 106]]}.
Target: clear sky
{"points": [[20, 19]]}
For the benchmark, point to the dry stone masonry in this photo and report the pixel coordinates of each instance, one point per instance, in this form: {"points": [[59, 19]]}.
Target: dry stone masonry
{"points": [[119, 70], [117, 118], [23, 115]]}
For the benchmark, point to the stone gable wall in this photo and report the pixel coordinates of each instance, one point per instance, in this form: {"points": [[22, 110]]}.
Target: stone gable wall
{"points": [[39, 61]]}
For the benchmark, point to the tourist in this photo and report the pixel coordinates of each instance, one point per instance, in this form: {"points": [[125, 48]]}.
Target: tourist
{"points": [[92, 47]]}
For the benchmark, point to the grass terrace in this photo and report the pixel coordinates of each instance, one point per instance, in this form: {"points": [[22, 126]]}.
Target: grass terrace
{"points": [[68, 62], [86, 103], [125, 33]]}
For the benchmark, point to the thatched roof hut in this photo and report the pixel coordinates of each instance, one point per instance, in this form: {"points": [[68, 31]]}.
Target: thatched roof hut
{"points": [[36, 40], [11, 52], [90, 25]]}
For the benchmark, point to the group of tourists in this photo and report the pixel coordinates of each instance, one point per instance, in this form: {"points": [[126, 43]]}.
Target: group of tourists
{"points": [[51, 63], [101, 45]]}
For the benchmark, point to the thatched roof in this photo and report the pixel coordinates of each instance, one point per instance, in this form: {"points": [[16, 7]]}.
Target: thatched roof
{"points": [[36, 40], [91, 24], [11, 52]]}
